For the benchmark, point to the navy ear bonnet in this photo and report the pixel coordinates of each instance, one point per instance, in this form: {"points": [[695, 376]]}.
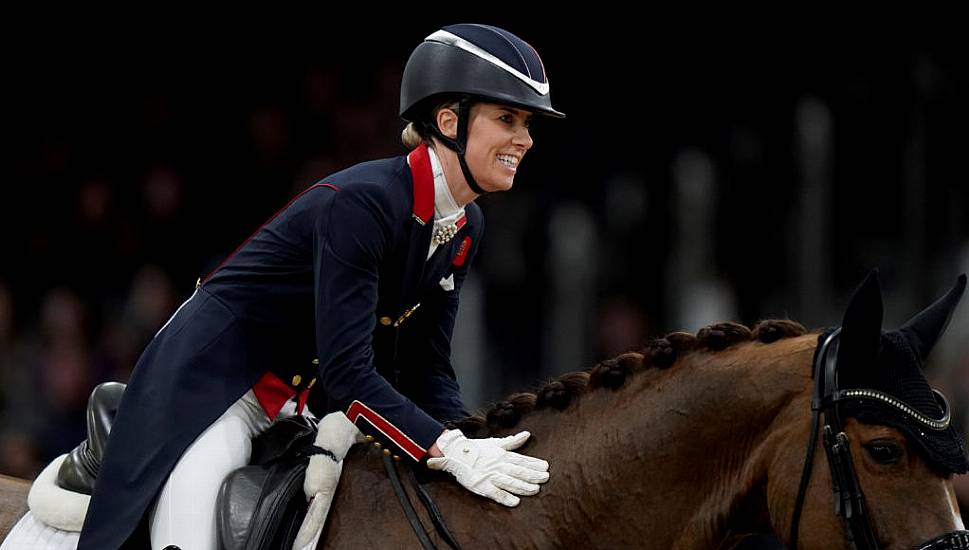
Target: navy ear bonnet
{"points": [[891, 362]]}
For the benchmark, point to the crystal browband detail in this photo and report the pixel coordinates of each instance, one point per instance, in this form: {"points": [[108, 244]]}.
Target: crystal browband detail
{"points": [[875, 395]]}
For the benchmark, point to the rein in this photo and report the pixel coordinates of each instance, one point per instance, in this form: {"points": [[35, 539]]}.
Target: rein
{"points": [[436, 518], [849, 499]]}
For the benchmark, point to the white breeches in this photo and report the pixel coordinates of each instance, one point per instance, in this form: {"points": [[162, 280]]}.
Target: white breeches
{"points": [[184, 513]]}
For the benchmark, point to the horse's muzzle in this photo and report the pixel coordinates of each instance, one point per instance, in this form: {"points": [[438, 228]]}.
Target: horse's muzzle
{"points": [[956, 540]]}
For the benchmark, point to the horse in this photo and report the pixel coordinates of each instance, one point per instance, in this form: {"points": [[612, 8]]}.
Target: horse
{"points": [[695, 441], [13, 502]]}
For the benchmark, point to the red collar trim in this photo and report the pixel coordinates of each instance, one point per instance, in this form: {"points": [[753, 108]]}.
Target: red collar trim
{"points": [[420, 169]]}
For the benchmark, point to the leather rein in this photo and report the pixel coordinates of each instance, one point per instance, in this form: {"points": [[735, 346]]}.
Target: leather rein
{"points": [[849, 499], [436, 518]]}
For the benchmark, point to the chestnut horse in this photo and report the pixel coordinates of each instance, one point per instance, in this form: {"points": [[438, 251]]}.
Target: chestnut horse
{"points": [[696, 441], [693, 456]]}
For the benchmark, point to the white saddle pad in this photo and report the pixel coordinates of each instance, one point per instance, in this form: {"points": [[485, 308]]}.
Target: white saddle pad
{"points": [[32, 534]]}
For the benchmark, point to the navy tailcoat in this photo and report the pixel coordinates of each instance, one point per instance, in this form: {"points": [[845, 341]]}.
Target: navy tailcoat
{"points": [[327, 290]]}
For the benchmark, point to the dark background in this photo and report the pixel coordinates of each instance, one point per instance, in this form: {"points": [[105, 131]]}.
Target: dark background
{"points": [[707, 173]]}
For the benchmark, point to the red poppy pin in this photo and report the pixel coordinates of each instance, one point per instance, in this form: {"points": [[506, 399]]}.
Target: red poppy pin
{"points": [[462, 252]]}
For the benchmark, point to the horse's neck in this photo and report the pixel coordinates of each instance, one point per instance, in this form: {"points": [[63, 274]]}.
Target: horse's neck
{"points": [[667, 461], [674, 452]]}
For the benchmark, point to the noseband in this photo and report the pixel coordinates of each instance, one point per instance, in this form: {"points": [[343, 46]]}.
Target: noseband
{"points": [[849, 500]]}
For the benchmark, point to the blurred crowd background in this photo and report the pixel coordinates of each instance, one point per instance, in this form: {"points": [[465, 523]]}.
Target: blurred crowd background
{"points": [[693, 181]]}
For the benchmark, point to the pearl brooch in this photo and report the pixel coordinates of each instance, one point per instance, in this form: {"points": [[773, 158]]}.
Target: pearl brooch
{"points": [[444, 233]]}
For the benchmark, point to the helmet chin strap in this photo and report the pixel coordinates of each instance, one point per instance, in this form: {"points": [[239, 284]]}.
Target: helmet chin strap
{"points": [[459, 146]]}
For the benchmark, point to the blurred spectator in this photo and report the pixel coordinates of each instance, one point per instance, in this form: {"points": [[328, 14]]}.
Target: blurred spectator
{"points": [[622, 326], [6, 322], [16, 451], [162, 193], [65, 373], [269, 132], [46, 415], [150, 302], [167, 233], [94, 254]]}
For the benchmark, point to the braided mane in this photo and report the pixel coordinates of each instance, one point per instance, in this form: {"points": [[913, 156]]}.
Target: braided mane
{"points": [[659, 353]]}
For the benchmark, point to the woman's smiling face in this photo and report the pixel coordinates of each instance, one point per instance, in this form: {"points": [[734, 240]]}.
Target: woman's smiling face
{"points": [[498, 138]]}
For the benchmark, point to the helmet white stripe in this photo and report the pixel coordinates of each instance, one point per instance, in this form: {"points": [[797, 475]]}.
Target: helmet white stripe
{"points": [[450, 39], [513, 46]]}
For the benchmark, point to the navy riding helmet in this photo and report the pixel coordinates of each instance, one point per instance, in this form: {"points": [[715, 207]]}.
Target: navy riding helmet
{"points": [[472, 62]]}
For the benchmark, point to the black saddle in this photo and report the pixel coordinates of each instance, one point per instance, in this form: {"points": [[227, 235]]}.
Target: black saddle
{"points": [[79, 470], [262, 506]]}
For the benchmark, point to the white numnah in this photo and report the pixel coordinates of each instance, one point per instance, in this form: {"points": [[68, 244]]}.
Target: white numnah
{"points": [[32, 534]]}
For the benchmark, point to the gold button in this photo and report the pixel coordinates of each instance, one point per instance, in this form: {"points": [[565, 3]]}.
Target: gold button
{"points": [[316, 361], [297, 379], [386, 452], [385, 321], [376, 444], [313, 381], [369, 438]]}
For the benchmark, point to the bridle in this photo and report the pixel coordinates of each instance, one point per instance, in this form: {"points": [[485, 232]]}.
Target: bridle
{"points": [[849, 500]]}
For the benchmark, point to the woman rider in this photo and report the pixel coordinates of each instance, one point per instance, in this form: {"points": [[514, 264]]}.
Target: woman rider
{"points": [[355, 284]]}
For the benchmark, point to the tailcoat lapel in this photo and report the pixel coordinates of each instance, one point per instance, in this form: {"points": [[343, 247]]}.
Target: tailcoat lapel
{"points": [[421, 273], [421, 227]]}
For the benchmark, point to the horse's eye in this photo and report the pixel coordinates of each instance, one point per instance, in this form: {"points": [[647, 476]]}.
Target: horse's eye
{"points": [[884, 452]]}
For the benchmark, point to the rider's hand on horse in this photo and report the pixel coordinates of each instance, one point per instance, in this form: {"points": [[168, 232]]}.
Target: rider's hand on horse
{"points": [[488, 467]]}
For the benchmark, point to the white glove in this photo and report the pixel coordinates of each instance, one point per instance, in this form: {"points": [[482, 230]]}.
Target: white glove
{"points": [[487, 467], [336, 434]]}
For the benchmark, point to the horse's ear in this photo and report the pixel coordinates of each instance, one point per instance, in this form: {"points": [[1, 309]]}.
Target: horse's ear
{"points": [[924, 329], [862, 324]]}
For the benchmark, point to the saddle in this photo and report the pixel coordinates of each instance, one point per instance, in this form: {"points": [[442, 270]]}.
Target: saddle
{"points": [[261, 506], [60, 495], [80, 468]]}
